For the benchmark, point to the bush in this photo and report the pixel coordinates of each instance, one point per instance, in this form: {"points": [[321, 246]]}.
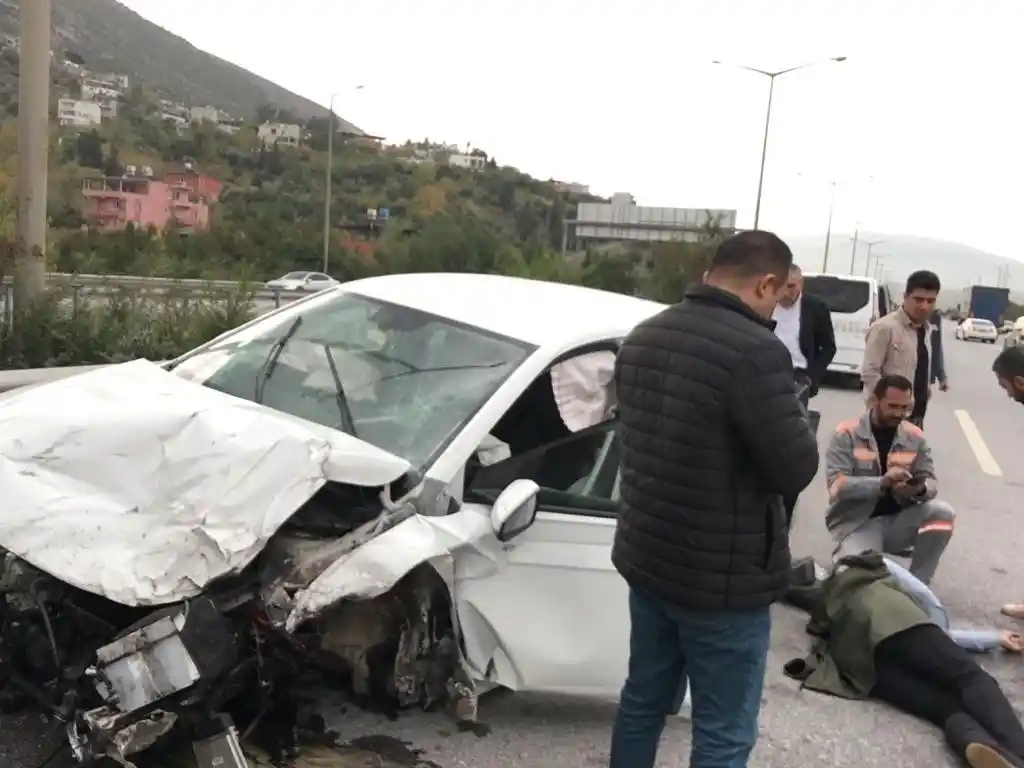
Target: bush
{"points": [[65, 329]]}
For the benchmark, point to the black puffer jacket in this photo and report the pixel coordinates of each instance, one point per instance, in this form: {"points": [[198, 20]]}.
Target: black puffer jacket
{"points": [[713, 437]]}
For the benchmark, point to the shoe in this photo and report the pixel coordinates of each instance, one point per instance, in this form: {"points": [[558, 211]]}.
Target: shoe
{"points": [[983, 756]]}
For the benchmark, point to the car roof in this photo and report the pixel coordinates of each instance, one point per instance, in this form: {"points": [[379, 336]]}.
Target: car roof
{"points": [[534, 311], [852, 278]]}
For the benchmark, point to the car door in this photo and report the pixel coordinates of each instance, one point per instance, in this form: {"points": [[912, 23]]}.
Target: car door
{"points": [[554, 615], [316, 282]]}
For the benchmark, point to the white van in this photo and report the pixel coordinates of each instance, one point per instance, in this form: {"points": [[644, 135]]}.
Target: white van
{"points": [[855, 303]]}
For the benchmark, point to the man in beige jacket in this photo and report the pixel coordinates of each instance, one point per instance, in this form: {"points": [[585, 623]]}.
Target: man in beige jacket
{"points": [[900, 343]]}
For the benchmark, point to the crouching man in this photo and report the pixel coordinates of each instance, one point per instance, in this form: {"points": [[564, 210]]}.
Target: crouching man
{"points": [[881, 484]]}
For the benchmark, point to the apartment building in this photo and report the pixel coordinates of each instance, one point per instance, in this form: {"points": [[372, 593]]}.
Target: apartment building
{"points": [[202, 186], [280, 134], [111, 203], [571, 187], [205, 114], [78, 114], [94, 89]]}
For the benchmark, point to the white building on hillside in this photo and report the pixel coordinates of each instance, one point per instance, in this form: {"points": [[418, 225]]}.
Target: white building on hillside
{"points": [[95, 89], [205, 114], [77, 113], [283, 134], [472, 162]]}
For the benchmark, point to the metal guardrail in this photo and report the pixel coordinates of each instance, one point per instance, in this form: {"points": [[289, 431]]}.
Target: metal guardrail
{"points": [[160, 285], [100, 284], [81, 286]]}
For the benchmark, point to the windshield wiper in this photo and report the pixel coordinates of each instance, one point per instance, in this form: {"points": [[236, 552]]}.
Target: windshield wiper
{"points": [[348, 424], [467, 367], [273, 354]]}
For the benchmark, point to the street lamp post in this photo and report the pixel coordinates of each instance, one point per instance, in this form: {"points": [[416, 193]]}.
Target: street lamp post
{"points": [[327, 182], [878, 266], [870, 245], [828, 229], [768, 116], [853, 252]]}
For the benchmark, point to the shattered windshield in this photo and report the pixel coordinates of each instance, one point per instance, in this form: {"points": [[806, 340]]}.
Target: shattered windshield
{"points": [[403, 380]]}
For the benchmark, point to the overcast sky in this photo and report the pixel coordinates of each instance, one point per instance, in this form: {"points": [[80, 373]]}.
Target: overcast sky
{"points": [[622, 96]]}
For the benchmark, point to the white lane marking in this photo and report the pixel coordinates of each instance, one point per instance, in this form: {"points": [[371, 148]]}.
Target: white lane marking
{"points": [[986, 460]]}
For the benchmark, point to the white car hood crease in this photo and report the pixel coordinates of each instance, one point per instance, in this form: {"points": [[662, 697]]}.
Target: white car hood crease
{"points": [[134, 484]]}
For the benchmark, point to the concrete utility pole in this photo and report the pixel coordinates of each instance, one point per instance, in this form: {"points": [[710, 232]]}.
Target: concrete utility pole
{"points": [[33, 144], [33, 138], [327, 187], [332, 126]]}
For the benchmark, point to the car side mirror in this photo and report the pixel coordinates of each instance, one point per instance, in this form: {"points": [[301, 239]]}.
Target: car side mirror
{"points": [[515, 509]]}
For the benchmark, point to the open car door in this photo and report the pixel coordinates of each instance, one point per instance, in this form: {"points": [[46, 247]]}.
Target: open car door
{"points": [[554, 616]]}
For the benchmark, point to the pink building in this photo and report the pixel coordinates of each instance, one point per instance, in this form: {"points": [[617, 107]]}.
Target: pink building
{"points": [[205, 187], [112, 203]]}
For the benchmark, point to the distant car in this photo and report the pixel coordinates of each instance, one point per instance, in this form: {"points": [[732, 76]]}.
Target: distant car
{"points": [[1006, 327], [302, 281], [1015, 336], [977, 329]]}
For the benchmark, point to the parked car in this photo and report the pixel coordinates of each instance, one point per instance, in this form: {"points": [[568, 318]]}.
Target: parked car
{"points": [[302, 281], [410, 478], [977, 329]]}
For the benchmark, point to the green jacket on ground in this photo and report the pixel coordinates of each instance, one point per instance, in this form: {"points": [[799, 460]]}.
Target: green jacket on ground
{"points": [[860, 605]]}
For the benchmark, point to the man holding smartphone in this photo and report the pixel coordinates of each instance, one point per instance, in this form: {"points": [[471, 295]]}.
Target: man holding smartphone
{"points": [[881, 484]]}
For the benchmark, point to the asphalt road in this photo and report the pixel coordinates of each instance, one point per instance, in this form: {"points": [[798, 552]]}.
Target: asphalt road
{"points": [[973, 429]]}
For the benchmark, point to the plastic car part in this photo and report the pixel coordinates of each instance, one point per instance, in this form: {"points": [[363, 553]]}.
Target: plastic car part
{"points": [[221, 748]]}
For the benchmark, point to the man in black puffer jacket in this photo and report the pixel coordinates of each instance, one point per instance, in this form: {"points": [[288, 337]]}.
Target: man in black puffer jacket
{"points": [[713, 438]]}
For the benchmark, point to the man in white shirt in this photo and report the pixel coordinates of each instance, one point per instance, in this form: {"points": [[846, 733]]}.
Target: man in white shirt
{"points": [[804, 324]]}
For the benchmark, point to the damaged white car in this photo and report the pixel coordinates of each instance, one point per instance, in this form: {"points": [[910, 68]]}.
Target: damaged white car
{"points": [[410, 481]]}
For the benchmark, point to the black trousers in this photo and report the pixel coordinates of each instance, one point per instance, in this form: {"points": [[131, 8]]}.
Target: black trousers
{"points": [[924, 673], [917, 415], [803, 386]]}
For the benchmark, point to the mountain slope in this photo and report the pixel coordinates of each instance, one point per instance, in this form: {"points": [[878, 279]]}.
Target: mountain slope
{"points": [[110, 37], [957, 265]]}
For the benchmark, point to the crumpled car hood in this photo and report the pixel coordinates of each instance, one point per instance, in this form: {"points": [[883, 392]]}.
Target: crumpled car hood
{"points": [[134, 484]]}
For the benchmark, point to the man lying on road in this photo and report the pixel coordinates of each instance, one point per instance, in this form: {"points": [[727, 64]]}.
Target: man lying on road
{"points": [[881, 484], [883, 634]]}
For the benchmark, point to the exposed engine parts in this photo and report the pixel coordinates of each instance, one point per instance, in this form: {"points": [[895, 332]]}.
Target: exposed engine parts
{"points": [[121, 679]]}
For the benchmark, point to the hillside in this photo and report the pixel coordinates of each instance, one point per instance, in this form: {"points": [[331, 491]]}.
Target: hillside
{"points": [[110, 37], [270, 214], [957, 265]]}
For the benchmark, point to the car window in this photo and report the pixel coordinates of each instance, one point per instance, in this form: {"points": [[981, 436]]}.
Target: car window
{"points": [[576, 474], [316, 277], [404, 380], [982, 324], [845, 296], [294, 276]]}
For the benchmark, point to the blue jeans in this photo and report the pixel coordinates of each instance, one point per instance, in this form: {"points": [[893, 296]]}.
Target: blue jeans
{"points": [[721, 652]]}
